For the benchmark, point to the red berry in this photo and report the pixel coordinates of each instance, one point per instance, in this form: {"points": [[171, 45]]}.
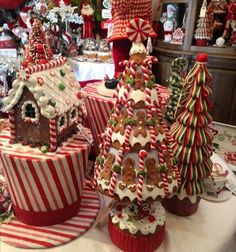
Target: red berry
{"points": [[119, 208], [202, 57], [151, 218], [120, 215]]}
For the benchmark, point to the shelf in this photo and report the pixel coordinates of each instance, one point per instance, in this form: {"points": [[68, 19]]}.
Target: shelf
{"points": [[162, 44], [225, 51]]}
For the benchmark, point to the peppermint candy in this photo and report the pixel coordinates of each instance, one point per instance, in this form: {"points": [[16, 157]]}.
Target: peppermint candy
{"points": [[138, 30]]}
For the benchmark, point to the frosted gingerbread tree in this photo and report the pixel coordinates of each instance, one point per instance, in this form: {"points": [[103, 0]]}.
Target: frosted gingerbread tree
{"points": [[203, 32], [175, 84], [136, 163], [38, 50], [192, 134]]}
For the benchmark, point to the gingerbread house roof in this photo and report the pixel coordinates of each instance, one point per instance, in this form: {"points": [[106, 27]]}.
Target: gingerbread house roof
{"points": [[52, 84]]}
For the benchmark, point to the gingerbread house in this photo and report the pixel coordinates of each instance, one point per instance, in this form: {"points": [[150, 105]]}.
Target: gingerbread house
{"points": [[43, 104], [178, 36]]}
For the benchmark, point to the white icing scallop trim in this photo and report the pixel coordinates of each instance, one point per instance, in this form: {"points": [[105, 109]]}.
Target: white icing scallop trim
{"points": [[64, 126], [138, 95], [23, 112], [143, 225]]}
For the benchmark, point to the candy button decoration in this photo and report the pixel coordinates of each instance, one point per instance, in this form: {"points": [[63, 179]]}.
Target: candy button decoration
{"points": [[138, 30], [61, 86]]}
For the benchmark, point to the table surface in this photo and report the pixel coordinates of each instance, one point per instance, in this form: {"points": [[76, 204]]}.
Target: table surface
{"points": [[86, 71], [211, 229]]}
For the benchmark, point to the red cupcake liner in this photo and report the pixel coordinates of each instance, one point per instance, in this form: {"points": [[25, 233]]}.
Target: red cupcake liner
{"points": [[131, 243], [201, 42], [180, 207]]}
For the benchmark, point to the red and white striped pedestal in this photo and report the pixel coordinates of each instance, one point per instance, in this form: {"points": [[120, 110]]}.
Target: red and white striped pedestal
{"points": [[20, 235], [99, 108], [45, 189]]}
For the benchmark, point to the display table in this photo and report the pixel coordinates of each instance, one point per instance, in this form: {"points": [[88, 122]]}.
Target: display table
{"points": [[86, 71], [211, 229], [99, 108]]}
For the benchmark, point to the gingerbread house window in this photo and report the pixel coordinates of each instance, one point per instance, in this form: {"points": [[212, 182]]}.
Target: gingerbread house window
{"points": [[73, 115], [62, 123], [30, 112]]}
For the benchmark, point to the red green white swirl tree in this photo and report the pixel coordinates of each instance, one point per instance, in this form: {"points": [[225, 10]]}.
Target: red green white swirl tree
{"points": [[191, 132]]}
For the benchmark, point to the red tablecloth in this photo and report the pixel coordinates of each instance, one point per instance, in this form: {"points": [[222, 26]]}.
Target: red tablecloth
{"points": [[99, 108]]}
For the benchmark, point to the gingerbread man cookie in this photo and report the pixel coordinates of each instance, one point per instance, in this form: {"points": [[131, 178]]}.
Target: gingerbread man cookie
{"points": [[168, 163], [153, 177], [120, 126], [139, 82], [128, 175], [106, 172], [140, 124]]}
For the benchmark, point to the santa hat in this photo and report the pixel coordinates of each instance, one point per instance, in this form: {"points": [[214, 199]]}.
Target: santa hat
{"points": [[23, 18], [84, 3]]}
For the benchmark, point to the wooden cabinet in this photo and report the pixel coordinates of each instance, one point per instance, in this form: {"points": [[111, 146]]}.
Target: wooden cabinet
{"points": [[221, 64]]}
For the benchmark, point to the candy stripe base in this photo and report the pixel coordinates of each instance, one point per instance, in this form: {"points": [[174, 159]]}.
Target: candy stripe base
{"points": [[131, 243], [49, 217], [20, 235]]}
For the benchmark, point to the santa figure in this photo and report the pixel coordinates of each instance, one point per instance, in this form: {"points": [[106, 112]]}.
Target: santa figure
{"points": [[122, 13], [87, 12]]}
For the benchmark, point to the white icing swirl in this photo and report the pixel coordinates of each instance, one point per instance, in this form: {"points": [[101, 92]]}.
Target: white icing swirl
{"points": [[126, 219]]}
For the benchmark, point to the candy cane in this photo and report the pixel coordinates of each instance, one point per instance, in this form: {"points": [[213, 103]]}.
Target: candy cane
{"points": [[115, 174], [117, 111], [149, 115], [162, 149], [130, 109], [97, 169], [145, 73], [115, 96], [142, 156], [126, 93], [53, 134], [133, 68]]}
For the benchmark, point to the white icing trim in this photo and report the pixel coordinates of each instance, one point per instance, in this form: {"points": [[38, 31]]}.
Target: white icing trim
{"points": [[143, 225], [75, 119], [64, 126], [23, 112]]}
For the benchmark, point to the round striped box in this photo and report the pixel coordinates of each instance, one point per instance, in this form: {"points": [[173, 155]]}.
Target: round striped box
{"points": [[45, 188]]}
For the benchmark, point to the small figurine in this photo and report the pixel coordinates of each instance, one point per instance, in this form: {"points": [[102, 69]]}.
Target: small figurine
{"points": [[169, 22], [87, 12]]}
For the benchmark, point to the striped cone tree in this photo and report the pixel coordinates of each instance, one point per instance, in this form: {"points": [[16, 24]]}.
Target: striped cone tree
{"points": [[191, 131]]}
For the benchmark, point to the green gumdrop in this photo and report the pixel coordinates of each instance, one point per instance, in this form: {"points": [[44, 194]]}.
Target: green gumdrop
{"points": [[52, 102], [44, 148], [62, 73], [61, 86]]}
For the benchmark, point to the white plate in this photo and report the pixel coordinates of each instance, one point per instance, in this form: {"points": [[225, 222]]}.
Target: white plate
{"points": [[102, 90], [222, 196]]}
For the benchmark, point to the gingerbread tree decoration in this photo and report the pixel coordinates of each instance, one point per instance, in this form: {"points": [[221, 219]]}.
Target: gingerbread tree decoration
{"points": [[38, 50], [191, 132], [136, 162], [175, 83], [203, 31], [218, 6]]}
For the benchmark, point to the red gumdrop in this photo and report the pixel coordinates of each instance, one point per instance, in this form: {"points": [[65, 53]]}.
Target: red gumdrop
{"points": [[39, 48], [202, 57], [143, 154], [119, 215], [25, 64], [79, 95], [43, 61]]}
